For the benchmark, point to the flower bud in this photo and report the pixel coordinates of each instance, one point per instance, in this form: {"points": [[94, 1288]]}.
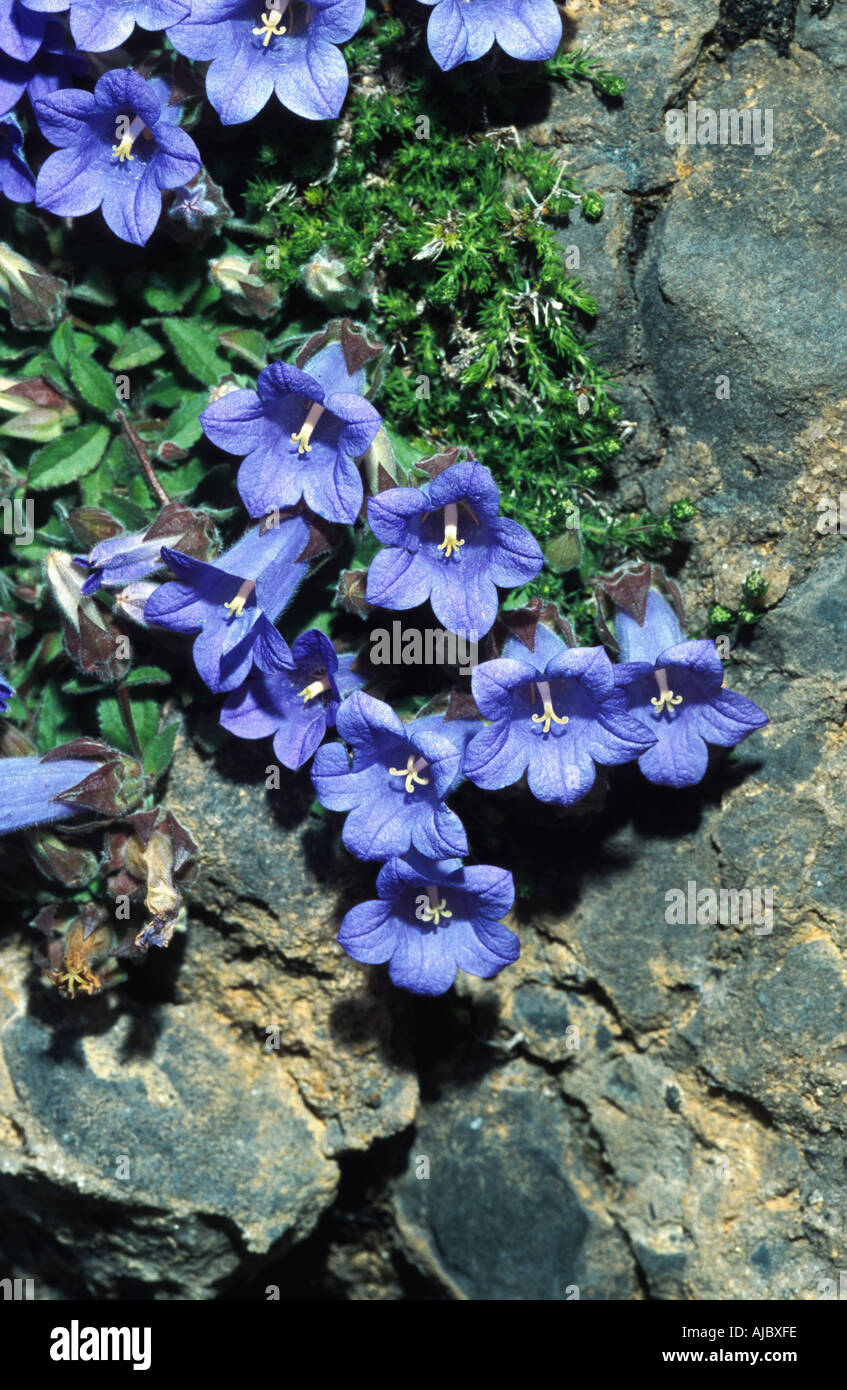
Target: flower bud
{"points": [[197, 212], [60, 857], [243, 288], [34, 298], [327, 279], [92, 640]]}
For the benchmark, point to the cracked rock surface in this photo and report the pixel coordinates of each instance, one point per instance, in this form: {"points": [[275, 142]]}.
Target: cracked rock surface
{"points": [[638, 1108]]}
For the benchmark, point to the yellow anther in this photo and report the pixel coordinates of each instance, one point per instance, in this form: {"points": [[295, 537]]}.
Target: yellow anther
{"points": [[301, 438], [311, 691], [272, 27], [666, 697], [235, 607], [451, 541], [304, 434], [435, 912], [548, 717], [411, 774], [123, 150]]}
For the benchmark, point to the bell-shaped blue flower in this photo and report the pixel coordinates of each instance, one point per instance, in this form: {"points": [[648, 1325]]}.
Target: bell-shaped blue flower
{"points": [[257, 47], [6, 693], [394, 789], [21, 31], [675, 688], [446, 543], [16, 181], [120, 146], [295, 698], [300, 432], [431, 919], [461, 30], [97, 27], [231, 604], [54, 65], [30, 790], [554, 714]]}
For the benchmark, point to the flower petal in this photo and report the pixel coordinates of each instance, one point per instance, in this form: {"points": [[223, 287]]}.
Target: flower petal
{"points": [[397, 579]]}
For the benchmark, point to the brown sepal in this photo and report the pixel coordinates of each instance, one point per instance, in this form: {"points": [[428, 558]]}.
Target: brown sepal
{"points": [[351, 591], [461, 705]]}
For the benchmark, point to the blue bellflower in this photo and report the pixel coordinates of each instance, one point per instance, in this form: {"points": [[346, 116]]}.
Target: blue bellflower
{"points": [[554, 715], [461, 30], [120, 560], [256, 47], [232, 603], [53, 66], [295, 697], [97, 27], [21, 31], [395, 787], [6, 693], [675, 688], [29, 789], [446, 543], [16, 181], [300, 432], [432, 919], [119, 148]]}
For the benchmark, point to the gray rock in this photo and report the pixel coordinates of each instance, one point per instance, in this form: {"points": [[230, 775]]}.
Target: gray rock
{"points": [[489, 1206]]}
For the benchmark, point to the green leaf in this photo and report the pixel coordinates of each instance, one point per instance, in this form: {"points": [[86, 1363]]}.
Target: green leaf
{"points": [[112, 725], [96, 288], [183, 480], [193, 345], [51, 720], [139, 491], [167, 298], [92, 382], [52, 372], [126, 512], [145, 715], [209, 294], [184, 428], [112, 333], [166, 391], [158, 753], [148, 675], [68, 458], [114, 465], [79, 686], [248, 343], [62, 343], [138, 349]]}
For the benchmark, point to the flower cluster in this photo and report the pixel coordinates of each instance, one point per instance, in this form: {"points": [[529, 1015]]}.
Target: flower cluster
{"points": [[538, 710], [119, 147]]}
